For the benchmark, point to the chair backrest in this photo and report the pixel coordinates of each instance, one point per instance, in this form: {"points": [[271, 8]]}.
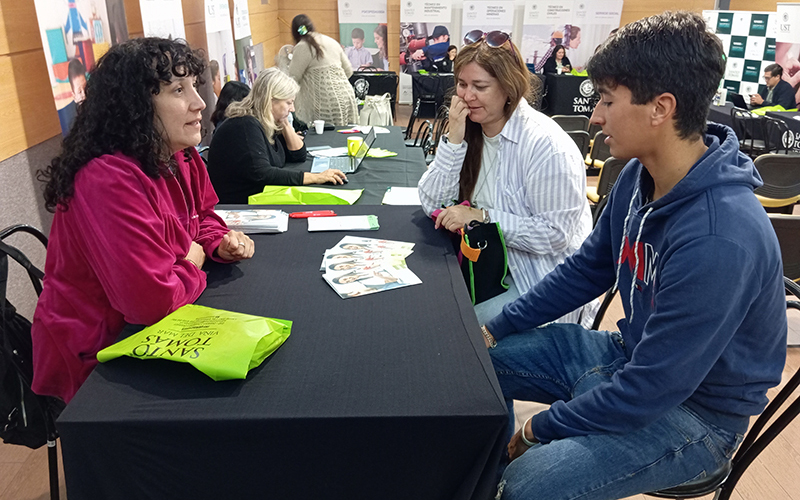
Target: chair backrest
{"points": [[412, 119], [423, 134], [609, 174], [581, 138], [572, 122], [781, 176], [749, 128], [778, 136], [600, 150], [787, 228], [594, 129]]}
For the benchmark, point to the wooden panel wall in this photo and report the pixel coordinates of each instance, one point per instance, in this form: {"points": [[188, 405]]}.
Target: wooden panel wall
{"points": [[762, 5]]}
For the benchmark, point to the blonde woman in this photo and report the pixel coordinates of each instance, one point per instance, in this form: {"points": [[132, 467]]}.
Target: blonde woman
{"points": [[256, 140], [322, 70]]}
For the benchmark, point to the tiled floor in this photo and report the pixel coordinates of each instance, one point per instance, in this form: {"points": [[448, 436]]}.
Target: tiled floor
{"points": [[23, 472]]}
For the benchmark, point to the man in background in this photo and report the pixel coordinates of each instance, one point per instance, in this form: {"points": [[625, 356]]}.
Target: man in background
{"points": [[778, 92]]}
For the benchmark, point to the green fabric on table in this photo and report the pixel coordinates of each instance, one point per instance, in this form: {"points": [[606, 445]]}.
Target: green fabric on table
{"points": [[304, 195]]}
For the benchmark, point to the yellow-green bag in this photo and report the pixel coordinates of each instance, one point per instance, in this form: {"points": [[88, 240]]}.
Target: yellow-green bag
{"points": [[304, 195], [763, 110], [222, 344]]}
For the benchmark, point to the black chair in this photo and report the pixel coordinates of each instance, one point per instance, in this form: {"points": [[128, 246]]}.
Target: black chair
{"points": [[572, 122], [581, 138], [411, 120], [440, 127], [599, 153], [787, 228], [781, 176], [422, 137], [598, 195], [16, 352], [749, 128], [760, 435], [778, 136]]}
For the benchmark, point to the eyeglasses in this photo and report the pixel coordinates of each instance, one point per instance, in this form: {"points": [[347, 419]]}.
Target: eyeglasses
{"points": [[493, 39]]}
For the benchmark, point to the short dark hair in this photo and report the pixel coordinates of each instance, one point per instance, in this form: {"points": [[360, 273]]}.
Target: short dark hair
{"points": [[214, 67], [671, 52], [357, 33], [75, 68], [451, 48], [774, 70]]}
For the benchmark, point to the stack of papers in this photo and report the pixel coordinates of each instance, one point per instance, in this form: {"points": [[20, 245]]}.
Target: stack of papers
{"points": [[401, 196], [344, 223], [362, 266], [255, 221]]}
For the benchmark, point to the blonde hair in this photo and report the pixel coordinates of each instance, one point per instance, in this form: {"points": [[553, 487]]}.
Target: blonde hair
{"points": [[271, 85]]}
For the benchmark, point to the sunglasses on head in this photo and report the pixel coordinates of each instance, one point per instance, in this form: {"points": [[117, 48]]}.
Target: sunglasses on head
{"points": [[493, 39]]}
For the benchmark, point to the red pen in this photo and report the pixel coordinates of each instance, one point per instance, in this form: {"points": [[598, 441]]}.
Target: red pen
{"points": [[313, 213]]}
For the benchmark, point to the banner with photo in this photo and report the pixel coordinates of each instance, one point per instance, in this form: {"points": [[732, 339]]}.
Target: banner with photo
{"points": [[748, 39], [75, 35], [162, 18], [491, 15], [243, 43], [787, 46], [578, 26], [363, 33], [424, 38], [221, 52]]}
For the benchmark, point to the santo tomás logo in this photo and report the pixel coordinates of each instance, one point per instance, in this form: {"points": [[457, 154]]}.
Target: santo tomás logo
{"points": [[586, 88]]}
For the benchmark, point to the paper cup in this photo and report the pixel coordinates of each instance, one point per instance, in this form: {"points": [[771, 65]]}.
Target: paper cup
{"points": [[319, 126], [353, 144]]}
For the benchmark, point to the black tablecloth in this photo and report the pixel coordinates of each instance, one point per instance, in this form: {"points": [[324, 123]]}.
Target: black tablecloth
{"points": [[375, 174], [791, 118], [386, 396], [721, 114], [431, 85], [564, 96]]}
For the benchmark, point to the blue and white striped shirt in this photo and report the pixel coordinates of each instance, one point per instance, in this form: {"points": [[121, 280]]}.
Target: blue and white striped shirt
{"points": [[540, 194]]}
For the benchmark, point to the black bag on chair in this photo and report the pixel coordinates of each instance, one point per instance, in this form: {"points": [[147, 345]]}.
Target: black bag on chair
{"points": [[484, 262]]}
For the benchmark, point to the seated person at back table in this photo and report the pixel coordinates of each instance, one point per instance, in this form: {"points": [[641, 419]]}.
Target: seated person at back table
{"points": [[516, 166], [558, 63], [231, 92], [134, 211], [256, 140], [778, 92], [668, 397]]}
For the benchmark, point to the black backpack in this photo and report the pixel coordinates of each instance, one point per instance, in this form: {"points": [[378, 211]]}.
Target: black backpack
{"points": [[25, 418]]}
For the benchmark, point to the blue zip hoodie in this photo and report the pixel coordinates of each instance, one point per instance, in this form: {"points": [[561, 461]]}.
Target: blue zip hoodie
{"points": [[705, 316]]}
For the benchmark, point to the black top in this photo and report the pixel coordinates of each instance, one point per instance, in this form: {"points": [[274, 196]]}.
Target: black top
{"points": [[445, 65], [782, 94], [241, 161], [550, 64]]}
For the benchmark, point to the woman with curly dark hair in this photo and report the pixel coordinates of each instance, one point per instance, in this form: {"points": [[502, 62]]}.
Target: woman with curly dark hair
{"points": [[134, 219]]}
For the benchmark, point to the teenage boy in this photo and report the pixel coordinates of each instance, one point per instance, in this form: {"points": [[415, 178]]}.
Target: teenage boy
{"points": [[667, 398]]}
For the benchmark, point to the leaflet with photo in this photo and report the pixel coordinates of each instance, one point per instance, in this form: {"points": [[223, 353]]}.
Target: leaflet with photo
{"points": [[255, 220], [358, 282]]}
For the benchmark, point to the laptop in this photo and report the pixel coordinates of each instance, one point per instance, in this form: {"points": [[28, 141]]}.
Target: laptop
{"points": [[347, 164], [738, 100]]}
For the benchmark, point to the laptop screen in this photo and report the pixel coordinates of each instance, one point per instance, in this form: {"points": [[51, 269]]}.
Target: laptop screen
{"points": [[365, 145]]}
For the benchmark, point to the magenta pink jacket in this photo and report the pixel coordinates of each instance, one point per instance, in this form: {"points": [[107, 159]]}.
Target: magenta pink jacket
{"points": [[116, 256]]}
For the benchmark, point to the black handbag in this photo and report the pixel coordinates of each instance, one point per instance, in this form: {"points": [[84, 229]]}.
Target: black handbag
{"points": [[485, 260]]}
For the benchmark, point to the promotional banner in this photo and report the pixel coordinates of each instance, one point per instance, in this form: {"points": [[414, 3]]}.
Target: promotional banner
{"points": [[787, 46], [221, 53], [243, 42], [75, 34], [424, 38], [496, 15], [163, 18], [363, 33], [578, 26], [748, 39]]}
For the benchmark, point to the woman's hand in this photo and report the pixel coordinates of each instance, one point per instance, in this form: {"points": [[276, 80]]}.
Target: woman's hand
{"points": [[332, 175], [236, 246], [453, 218], [459, 111], [196, 255]]}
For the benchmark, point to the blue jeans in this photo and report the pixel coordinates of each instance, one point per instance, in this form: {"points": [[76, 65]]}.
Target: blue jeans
{"points": [[490, 308], [562, 361]]}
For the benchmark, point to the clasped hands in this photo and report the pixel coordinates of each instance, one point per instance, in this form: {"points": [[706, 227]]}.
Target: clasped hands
{"points": [[235, 246]]}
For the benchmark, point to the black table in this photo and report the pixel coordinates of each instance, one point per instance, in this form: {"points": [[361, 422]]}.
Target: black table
{"points": [[721, 114], [389, 396], [380, 82], [432, 89], [375, 174], [792, 120], [563, 96]]}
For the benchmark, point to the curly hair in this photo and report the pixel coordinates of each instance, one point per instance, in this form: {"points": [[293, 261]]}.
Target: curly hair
{"points": [[118, 112]]}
